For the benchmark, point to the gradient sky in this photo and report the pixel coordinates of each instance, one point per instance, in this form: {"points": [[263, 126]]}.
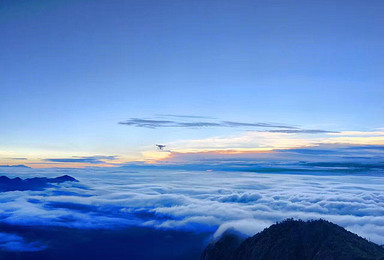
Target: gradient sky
{"points": [[72, 70]]}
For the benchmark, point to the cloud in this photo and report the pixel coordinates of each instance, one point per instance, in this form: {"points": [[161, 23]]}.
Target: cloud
{"points": [[201, 201], [342, 153], [185, 116], [248, 227], [283, 139], [83, 159], [213, 122], [241, 198], [247, 141], [357, 137], [13, 242], [320, 158], [14, 166], [242, 124], [155, 123], [302, 131]]}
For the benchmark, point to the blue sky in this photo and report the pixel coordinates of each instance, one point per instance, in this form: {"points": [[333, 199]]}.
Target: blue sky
{"points": [[71, 70]]}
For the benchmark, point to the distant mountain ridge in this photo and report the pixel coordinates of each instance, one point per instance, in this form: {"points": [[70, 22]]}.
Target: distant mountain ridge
{"points": [[295, 239], [37, 183], [15, 166]]}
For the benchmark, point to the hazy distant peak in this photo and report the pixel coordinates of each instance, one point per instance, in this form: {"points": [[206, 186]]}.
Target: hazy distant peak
{"points": [[15, 166], [37, 183]]}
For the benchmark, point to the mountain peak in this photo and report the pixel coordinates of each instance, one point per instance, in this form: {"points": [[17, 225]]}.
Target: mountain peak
{"points": [[63, 178], [296, 239]]}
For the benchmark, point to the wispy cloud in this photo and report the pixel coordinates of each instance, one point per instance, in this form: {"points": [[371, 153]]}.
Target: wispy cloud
{"points": [[329, 155], [301, 131], [277, 139], [160, 123], [188, 121], [14, 166], [357, 137], [250, 140], [84, 159], [242, 124], [185, 116]]}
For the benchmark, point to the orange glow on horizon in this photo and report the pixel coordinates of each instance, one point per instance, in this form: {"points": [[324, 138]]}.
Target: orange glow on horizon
{"points": [[264, 143]]}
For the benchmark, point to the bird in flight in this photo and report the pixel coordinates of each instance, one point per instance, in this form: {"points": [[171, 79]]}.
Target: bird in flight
{"points": [[161, 147]]}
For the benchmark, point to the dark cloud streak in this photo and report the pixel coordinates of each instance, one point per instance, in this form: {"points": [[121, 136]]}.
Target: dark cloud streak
{"points": [[85, 159], [301, 131], [185, 116], [241, 124], [154, 123], [158, 123]]}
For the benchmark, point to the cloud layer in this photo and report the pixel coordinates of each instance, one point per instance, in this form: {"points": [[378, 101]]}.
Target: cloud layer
{"points": [[199, 201]]}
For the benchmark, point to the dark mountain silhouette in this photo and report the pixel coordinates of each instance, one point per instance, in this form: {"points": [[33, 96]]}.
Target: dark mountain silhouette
{"points": [[8, 184], [295, 239]]}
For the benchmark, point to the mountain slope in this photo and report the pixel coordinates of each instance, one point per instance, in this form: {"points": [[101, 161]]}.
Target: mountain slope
{"points": [[292, 239]]}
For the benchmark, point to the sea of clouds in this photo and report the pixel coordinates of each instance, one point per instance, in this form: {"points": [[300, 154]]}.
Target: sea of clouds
{"points": [[193, 201]]}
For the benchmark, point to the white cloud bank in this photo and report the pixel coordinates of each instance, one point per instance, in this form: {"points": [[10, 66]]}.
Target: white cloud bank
{"points": [[199, 201]]}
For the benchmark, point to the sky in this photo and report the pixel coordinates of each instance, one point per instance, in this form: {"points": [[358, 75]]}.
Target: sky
{"points": [[95, 83]]}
